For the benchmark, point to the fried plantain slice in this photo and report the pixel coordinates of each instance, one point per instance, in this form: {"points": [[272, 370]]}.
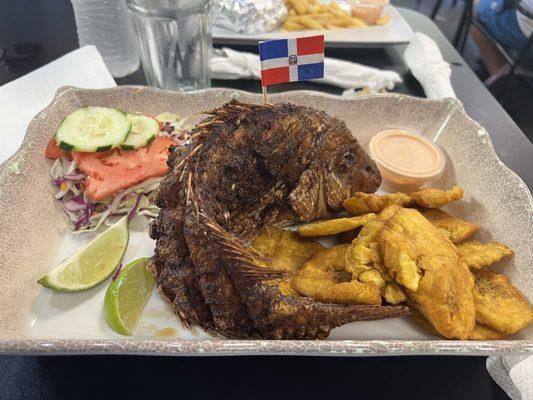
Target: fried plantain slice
{"points": [[364, 254], [454, 228], [334, 226], [323, 278], [422, 321], [436, 281], [483, 332], [393, 293], [285, 250], [499, 305], [478, 255], [436, 198], [363, 258], [363, 203], [480, 332]]}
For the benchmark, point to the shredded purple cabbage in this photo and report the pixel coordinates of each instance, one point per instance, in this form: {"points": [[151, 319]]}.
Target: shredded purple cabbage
{"points": [[117, 272], [83, 215], [73, 206], [133, 210], [78, 177]]}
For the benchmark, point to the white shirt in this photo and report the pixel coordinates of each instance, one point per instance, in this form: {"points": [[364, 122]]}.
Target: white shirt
{"points": [[525, 24]]}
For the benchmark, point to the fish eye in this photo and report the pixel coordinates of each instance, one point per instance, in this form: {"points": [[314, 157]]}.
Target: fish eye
{"points": [[346, 161], [348, 158]]}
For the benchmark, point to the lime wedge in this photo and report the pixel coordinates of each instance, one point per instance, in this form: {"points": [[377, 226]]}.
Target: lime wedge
{"points": [[127, 295], [92, 264]]}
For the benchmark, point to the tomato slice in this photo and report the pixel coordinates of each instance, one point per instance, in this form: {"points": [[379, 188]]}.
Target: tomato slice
{"points": [[111, 172], [53, 151]]}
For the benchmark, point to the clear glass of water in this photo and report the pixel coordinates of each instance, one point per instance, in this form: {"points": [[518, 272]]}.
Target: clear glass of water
{"points": [[107, 25], [174, 41]]}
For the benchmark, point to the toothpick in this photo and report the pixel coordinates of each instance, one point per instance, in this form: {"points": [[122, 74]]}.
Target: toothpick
{"points": [[265, 95], [441, 128]]}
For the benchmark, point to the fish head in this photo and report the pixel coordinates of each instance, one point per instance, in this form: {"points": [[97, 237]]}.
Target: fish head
{"points": [[347, 169]]}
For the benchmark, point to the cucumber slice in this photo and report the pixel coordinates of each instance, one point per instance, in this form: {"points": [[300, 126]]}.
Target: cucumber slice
{"points": [[143, 131], [93, 129]]}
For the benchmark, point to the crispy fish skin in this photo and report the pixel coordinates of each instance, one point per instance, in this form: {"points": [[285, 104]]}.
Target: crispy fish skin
{"points": [[499, 305], [478, 255], [363, 203], [228, 309], [171, 265], [436, 281], [334, 226], [454, 228], [318, 278], [278, 165]]}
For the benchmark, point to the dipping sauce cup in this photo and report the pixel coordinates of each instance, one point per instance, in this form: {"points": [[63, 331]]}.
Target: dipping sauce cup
{"points": [[368, 10], [406, 161]]}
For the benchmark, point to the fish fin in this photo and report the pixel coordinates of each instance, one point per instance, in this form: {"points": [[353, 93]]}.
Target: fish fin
{"points": [[243, 257]]}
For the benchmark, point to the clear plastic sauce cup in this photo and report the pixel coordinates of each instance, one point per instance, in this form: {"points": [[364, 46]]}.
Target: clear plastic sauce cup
{"points": [[368, 10], [406, 161]]}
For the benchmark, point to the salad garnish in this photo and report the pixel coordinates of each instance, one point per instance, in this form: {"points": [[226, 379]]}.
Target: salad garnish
{"points": [[84, 210]]}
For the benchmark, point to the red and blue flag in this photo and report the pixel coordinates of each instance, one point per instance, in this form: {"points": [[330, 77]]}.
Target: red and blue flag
{"points": [[289, 60]]}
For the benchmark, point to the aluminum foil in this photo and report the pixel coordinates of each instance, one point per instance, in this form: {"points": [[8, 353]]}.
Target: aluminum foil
{"points": [[249, 16]]}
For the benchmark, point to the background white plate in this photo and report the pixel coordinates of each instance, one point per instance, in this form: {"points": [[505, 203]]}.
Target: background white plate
{"points": [[396, 31]]}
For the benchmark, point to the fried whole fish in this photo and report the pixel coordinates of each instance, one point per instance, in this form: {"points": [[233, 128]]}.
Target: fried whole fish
{"points": [[247, 167]]}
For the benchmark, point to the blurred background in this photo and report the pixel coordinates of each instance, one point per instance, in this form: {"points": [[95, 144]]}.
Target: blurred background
{"points": [[453, 17]]}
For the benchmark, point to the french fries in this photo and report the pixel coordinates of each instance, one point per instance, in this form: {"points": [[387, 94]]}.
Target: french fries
{"points": [[311, 14], [309, 23]]}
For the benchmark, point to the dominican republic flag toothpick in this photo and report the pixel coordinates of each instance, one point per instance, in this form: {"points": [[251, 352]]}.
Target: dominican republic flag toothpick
{"points": [[289, 60]]}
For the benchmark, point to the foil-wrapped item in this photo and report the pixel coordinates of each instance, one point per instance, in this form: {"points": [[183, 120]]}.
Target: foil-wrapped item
{"points": [[249, 16]]}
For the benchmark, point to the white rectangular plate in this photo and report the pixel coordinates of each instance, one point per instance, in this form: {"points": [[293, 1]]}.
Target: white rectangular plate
{"points": [[396, 31], [33, 237]]}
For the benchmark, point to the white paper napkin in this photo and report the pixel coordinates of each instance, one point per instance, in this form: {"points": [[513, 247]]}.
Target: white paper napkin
{"points": [[425, 61], [514, 374], [232, 64], [22, 98]]}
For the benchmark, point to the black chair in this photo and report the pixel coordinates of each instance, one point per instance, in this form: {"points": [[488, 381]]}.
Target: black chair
{"points": [[521, 65], [463, 26]]}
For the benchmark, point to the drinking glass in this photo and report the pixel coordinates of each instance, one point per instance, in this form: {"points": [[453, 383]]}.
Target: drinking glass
{"points": [[107, 25], [175, 42]]}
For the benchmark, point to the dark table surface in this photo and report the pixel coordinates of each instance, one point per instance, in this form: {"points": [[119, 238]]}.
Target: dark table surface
{"points": [[35, 32]]}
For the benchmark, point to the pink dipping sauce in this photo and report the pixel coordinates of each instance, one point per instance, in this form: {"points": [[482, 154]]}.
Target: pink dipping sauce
{"points": [[406, 161], [368, 10]]}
